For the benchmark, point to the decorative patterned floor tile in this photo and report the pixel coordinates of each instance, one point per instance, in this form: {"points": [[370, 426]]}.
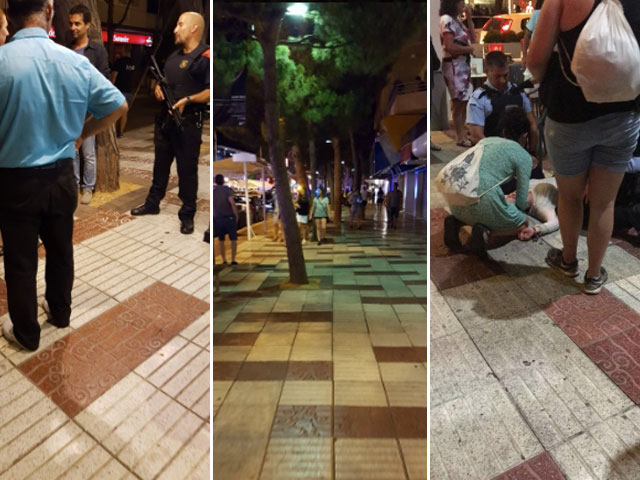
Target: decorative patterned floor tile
{"points": [[619, 357], [78, 368], [310, 371], [540, 467], [587, 319], [294, 421]]}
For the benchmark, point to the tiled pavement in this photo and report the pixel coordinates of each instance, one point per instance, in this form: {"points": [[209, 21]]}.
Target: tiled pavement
{"points": [[325, 381], [124, 391], [531, 379]]}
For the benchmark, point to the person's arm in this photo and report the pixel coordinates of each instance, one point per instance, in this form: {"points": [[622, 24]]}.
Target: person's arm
{"points": [[200, 97], [113, 76], [233, 206], [476, 116], [547, 31], [453, 48], [522, 166], [94, 125], [477, 132], [525, 47], [469, 21], [313, 206]]}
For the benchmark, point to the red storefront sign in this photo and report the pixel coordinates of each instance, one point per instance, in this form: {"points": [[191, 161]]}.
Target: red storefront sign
{"points": [[121, 37], [496, 47]]}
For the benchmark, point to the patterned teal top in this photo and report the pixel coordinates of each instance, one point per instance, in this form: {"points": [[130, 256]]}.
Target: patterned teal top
{"points": [[501, 160]]}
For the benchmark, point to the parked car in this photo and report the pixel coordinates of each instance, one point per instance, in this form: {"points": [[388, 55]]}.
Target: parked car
{"points": [[255, 208], [479, 21], [507, 22]]}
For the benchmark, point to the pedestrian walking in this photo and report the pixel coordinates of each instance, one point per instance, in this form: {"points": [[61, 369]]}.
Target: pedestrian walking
{"points": [[320, 214], [38, 192], [225, 218], [79, 24], [394, 205], [590, 144], [187, 73], [355, 202], [302, 216], [364, 198]]}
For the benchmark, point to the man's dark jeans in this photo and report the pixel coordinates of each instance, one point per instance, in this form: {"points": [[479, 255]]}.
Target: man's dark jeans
{"points": [[38, 202]]}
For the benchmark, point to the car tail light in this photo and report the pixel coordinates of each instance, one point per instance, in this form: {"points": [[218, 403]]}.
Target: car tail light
{"points": [[506, 26]]}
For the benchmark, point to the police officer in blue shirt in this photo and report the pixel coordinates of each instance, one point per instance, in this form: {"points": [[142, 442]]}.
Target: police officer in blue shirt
{"points": [[46, 91], [489, 101], [187, 73]]}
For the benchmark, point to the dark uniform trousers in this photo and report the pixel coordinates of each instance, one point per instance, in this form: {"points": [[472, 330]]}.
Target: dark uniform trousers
{"points": [[184, 146], [34, 202]]}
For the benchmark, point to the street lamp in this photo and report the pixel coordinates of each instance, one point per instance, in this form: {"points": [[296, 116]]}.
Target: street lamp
{"points": [[298, 9]]}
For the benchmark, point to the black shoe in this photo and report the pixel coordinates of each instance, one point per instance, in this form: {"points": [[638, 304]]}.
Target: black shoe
{"points": [[234, 263], [119, 135], [186, 226], [145, 210], [478, 243], [451, 233]]}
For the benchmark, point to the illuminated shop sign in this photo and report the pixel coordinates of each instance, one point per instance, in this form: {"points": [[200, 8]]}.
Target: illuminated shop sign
{"points": [[121, 37]]}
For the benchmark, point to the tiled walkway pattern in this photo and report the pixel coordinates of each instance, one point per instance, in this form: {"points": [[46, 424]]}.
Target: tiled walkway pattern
{"points": [[328, 380], [529, 377], [124, 391]]}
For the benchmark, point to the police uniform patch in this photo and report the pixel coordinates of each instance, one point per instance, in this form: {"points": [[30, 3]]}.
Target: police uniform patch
{"points": [[206, 53], [184, 63]]}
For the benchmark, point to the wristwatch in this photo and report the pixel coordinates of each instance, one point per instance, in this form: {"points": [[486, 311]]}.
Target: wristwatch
{"points": [[188, 100]]}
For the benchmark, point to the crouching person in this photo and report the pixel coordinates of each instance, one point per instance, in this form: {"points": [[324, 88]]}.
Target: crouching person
{"points": [[471, 185]]}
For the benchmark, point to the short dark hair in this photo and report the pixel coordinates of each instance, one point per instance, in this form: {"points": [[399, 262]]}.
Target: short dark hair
{"points": [[539, 4], [21, 9], [496, 59], [449, 7], [513, 123], [82, 10], [219, 179]]}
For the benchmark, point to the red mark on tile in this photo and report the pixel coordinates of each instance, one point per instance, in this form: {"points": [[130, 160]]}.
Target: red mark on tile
{"points": [[540, 467]]}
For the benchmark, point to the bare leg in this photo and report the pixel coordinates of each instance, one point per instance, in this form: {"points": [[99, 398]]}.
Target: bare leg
{"points": [[570, 209], [234, 249], [223, 254], [459, 120], [123, 122], [603, 188]]}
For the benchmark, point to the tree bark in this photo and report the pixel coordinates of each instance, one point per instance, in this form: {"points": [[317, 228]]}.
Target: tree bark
{"points": [[337, 181], [267, 33], [313, 161], [301, 173]]}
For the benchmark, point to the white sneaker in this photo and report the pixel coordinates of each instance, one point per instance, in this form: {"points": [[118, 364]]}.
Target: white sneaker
{"points": [[7, 331], [304, 241], [87, 195]]}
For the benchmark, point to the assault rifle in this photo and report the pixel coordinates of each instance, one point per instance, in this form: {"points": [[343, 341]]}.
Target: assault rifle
{"points": [[168, 100]]}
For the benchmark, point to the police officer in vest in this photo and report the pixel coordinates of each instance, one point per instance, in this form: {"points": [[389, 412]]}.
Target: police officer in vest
{"points": [[187, 73], [489, 101]]}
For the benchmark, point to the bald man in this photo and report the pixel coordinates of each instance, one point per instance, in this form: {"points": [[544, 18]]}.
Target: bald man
{"points": [[187, 73]]}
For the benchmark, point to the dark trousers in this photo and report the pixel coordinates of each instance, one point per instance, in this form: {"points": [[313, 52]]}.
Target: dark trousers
{"points": [[184, 146], [38, 202]]}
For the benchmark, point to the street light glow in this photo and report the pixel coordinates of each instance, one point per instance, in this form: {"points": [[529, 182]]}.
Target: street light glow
{"points": [[299, 9]]}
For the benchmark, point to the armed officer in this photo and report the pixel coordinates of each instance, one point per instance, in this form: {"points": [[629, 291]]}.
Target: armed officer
{"points": [[488, 102], [187, 74]]}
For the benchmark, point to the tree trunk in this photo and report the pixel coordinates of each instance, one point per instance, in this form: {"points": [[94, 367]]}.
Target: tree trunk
{"points": [[267, 33], [337, 181], [301, 174], [357, 175], [313, 165]]}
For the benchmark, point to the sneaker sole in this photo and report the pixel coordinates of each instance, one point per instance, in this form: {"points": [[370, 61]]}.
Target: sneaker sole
{"points": [[568, 273]]}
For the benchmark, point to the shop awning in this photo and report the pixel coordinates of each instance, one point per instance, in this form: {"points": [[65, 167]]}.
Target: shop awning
{"points": [[398, 126]]}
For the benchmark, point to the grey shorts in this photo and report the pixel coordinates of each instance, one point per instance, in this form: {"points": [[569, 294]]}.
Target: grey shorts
{"points": [[606, 142]]}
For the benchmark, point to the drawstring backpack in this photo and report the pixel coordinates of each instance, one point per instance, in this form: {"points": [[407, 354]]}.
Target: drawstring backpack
{"points": [[606, 60]]}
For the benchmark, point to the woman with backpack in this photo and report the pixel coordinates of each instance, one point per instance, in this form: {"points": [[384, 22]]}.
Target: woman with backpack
{"points": [[590, 144]]}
